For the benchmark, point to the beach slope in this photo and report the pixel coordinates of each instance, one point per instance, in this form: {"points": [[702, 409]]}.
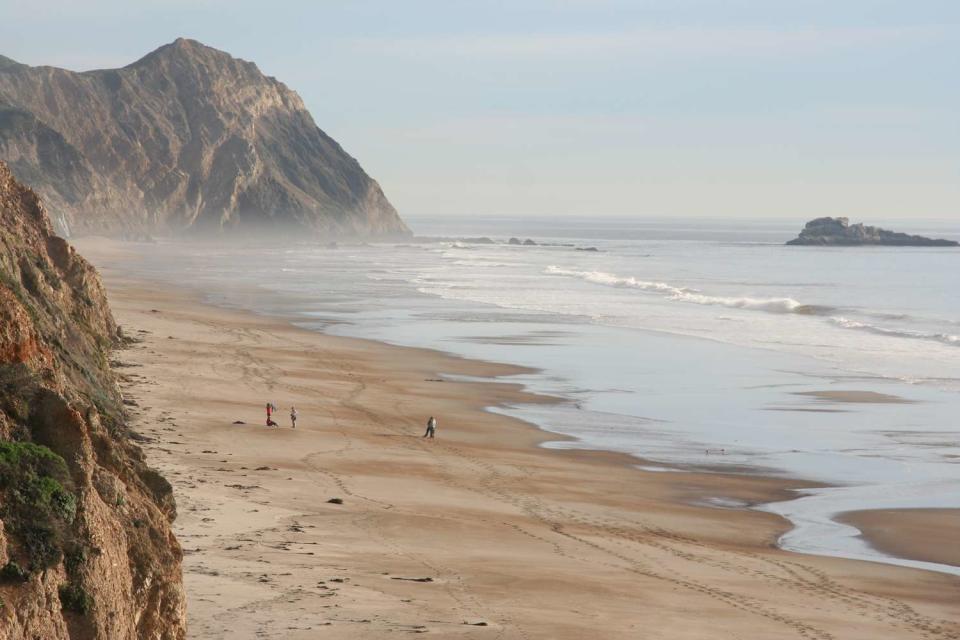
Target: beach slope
{"points": [[478, 533]]}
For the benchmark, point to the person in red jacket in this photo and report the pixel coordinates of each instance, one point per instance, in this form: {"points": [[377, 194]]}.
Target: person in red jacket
{"points": [[270, 410]]}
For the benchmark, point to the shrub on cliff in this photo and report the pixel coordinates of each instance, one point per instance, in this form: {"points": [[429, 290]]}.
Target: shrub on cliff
{"points": [[75, 599], [36, 503]]}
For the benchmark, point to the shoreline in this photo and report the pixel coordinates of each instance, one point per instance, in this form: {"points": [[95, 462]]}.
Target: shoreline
{"points": [[782, 487], [796, 485], [561, 510]]}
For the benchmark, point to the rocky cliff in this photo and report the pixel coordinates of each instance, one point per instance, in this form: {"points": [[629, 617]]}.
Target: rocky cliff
{"points": [[839, 232], [187, 138], [86, 549]]}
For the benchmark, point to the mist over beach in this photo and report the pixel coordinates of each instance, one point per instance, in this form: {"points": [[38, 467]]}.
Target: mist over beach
{"points": [[707, 344]]}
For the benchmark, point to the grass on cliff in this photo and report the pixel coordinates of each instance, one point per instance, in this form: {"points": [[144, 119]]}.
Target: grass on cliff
{"points": [[37, 508]]}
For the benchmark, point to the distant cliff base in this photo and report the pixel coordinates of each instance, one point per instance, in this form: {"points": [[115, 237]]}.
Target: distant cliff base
{"points": [[839, 232], [186, 140]]}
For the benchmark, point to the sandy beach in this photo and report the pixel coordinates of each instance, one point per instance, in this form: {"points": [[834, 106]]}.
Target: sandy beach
{"points": [[929, 535], [478, 533]]}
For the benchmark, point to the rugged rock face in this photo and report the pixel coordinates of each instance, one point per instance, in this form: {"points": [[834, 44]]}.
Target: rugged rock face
{"points": [[86, 549], [186, 138], [839, 231]]}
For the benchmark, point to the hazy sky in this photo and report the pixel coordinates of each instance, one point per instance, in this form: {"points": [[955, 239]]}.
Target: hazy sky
{"points": [[670, 107]]}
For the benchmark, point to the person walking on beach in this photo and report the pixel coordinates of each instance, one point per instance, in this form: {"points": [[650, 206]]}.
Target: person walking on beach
{"points": [[431, 427], [293, 417]]}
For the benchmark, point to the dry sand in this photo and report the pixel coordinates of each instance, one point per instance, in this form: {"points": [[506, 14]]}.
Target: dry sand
{"points": [[476, 534]]}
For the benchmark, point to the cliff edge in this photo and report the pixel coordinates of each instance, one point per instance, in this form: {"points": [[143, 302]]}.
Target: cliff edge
{"points": [[188, 139], [86, 548], [839, 232]]}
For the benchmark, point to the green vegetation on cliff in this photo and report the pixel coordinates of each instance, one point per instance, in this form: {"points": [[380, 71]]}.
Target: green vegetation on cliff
{"points": [[34, 502]]}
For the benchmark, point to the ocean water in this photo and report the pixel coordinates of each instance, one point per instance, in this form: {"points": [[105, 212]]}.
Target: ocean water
{"points": [[691, 342]]}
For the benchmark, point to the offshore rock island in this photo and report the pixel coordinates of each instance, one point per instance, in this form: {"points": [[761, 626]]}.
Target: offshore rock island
{"points": [[839, 232], [188, 139]]}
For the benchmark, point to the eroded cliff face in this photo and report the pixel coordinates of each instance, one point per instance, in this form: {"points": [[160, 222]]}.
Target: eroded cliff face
{"points": [[187, 138], [86, 548]]}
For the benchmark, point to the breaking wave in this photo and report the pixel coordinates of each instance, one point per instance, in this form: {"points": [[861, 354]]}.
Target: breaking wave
{"points": [[770, 305], [485, 263], [943, 338], [682, 294]]}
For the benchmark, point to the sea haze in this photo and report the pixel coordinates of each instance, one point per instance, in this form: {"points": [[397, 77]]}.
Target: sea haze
{"points": [[679, 341]]}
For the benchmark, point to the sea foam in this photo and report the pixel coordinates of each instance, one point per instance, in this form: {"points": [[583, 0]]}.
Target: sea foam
{"points": [[682, 294], [944, 338]]}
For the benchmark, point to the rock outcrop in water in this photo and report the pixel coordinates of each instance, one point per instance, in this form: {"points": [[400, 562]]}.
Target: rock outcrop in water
{"points": [[187, 138], [86, 548], [839, 232]]}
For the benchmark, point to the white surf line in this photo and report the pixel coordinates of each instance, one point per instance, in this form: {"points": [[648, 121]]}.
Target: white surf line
{"points": [[816, 532]]}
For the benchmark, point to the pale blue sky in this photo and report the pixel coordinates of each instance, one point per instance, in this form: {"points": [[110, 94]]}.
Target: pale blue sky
{"points": [[682, 107]]}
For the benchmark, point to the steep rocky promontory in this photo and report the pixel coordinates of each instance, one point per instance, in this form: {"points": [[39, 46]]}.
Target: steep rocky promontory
{"points": [[839, 232], [186, 139], [86, 548]]}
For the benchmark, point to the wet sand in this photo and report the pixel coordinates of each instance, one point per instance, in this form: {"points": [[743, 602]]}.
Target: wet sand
{"points": [[854, 396], [478, 533], [929, 535]]}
